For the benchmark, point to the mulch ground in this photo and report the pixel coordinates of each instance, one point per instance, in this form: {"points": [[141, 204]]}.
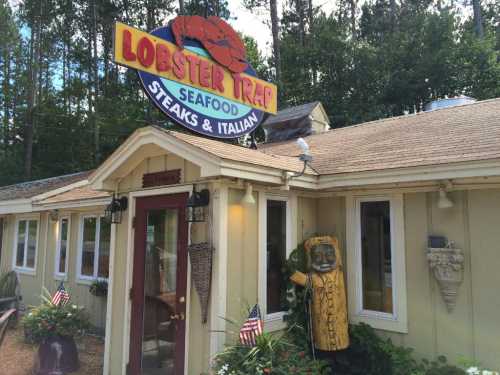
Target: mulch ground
{"points": [[17, 357]]}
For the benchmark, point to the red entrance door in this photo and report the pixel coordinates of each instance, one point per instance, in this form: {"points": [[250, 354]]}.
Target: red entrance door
{"points": [[157, 337]]}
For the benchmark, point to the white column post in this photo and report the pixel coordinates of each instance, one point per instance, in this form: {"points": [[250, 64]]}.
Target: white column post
{"points": [[219, 272]]}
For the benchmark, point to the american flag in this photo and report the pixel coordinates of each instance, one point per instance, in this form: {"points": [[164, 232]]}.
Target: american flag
{"points": [[61, 296], [252, 327]]}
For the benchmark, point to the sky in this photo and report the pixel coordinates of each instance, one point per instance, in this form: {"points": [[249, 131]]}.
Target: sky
{"points": [[253, 23]]}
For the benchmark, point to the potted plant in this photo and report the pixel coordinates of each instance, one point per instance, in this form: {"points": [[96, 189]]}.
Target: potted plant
{"points": [[54, 328], [99, 288]]}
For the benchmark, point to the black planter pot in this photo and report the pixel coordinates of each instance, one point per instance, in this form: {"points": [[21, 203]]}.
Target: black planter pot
{"points": [[57, 356]]}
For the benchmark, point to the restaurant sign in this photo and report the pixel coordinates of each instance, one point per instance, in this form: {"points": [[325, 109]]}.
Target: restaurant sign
{"points": [[195, 71]]}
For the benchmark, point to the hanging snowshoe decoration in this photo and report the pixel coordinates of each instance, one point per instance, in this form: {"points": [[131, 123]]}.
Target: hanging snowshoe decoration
{"points": [[195, 70]]}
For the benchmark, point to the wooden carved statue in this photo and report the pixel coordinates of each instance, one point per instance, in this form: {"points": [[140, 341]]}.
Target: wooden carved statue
{"points": [[328, 307]]}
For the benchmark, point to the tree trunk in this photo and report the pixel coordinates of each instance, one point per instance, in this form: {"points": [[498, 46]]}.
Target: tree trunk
{"points": [[181, 7], [299, 7], [276, 41], [393, 14], [32, 89], [310, 15], [97, 130], [478, 21], [353, 6], [6, 97]]}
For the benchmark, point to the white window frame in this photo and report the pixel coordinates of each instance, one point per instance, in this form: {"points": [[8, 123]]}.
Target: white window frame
{"points": [[398, 320], [274, 321], [60, 275], [85, 279], [24, 268]]}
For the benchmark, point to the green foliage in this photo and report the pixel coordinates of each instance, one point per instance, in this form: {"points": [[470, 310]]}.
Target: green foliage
{"points": [[368, 353], [99, 288], [48, 320], [273, 354]]}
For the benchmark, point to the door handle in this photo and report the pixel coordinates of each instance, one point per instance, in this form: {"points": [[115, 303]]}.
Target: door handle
{"points": [[177, 317]]}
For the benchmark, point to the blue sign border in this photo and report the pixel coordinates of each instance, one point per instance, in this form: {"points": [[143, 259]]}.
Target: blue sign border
{"points": [[157, 89]]}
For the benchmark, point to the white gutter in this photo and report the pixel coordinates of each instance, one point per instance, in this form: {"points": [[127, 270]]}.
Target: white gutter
{"points": [[483, 168]]}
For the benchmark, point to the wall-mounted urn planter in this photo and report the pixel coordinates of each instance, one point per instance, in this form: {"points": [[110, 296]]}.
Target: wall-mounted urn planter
{"points": [[447, 265]]}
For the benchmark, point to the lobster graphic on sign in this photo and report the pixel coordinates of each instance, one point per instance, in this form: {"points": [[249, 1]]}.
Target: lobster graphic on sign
{"points": [[216, 36]]}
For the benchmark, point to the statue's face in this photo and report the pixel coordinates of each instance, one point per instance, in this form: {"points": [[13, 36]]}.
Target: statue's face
{"points": [[323, 258]]}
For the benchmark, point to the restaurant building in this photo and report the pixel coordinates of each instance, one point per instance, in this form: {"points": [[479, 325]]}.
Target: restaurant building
{"points": [[382, 188]]}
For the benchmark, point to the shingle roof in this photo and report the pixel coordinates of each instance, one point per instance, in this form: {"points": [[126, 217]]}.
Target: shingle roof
{"points": [[32, 188], [464, 133], [76, 194], [240, 154], [291, 113]]}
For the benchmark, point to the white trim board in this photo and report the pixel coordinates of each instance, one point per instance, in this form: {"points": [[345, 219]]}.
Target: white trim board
{"points": [[57, 257], [274, 321], [129, 272], [24, 269], [398, 320]]}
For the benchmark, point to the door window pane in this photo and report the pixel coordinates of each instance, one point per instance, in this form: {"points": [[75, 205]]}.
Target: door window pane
{"points": [[31, 251], [104, 243], [63, 245], [276, 253], [88, 246], [21, 241], [376, 256], [159, 330]]}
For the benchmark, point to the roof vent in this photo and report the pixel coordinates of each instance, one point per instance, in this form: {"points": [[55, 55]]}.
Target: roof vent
{"points": [[448, 102], [296, 122]]}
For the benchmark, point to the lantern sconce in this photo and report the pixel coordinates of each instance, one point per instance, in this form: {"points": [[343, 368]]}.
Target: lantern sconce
{"points": [[114, 211], [196, 207]]}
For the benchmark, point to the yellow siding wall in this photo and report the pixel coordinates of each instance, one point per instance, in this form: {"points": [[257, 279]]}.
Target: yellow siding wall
{"points": [[199, 335], [189, 171], [472, 329], [306, 218], [32, 286], [243, 244]]}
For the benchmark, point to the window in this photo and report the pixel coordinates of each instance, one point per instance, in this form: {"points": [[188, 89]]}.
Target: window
{"points": [[26, 245], [376, 268], [275, 246], [61, 265], [93, 258]]}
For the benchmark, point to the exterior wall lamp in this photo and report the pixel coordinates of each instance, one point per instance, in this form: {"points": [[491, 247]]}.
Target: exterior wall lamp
{"points": [[114, 211], [248, 198], [304, 157], [196, 207], [444, 201]]}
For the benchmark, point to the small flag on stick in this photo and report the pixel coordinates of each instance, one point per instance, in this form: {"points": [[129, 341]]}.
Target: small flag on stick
{"points": [[253, 327], [61, 296]]}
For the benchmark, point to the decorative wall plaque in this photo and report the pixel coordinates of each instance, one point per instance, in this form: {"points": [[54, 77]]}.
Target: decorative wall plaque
{"points": [[170, 177], [447, 265]]}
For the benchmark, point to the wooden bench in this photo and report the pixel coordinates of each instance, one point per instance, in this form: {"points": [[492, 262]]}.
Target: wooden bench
{"points": [[10, 296], [4, 322]]}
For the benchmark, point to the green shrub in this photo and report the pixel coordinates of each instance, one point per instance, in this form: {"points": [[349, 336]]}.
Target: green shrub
{"points": [[368, 353], [48, 320], [274, 354]]}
